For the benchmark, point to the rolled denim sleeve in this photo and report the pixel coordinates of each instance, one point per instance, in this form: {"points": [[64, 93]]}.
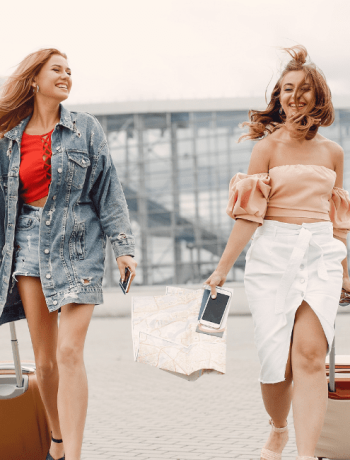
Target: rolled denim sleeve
{"points": [[109, 200]]}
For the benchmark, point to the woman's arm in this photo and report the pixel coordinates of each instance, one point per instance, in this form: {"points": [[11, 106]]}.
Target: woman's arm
{"points": [[346, 278], [108, 197], [243, 229], [338, 158], [240, 235]]}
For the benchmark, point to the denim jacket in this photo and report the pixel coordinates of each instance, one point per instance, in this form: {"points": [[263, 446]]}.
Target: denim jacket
{"points": [[85, 204]]}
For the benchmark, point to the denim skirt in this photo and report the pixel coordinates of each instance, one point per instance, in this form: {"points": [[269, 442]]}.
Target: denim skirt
{"points": [[26, 261], [286, 264]]}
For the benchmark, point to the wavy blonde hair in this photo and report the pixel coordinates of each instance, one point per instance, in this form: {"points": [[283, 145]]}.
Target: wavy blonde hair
{"points": [[17, 96], [264, 122]]}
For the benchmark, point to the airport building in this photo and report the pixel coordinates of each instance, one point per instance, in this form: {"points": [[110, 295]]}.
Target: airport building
{"points": [[175, 160]]}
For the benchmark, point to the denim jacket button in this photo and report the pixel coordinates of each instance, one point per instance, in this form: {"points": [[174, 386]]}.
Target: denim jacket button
{"points": [[46, 251], [54, 197], [59, 170], [47, 222], [48, 276], [55, 302]]}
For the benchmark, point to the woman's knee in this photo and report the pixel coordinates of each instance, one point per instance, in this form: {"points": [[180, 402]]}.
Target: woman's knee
{"points": [[69, 355], [308, 358], [45, 367]]}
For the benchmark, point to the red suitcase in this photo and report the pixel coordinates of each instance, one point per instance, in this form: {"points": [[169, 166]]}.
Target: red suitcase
{"points": [[24, 429]]}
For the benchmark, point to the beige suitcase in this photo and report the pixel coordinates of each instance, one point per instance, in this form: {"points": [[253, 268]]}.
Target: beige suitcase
{"points": [[334, 441]]}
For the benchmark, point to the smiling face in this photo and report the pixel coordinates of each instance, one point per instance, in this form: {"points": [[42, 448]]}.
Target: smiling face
{"points": [[54, 79], [297, 94]]}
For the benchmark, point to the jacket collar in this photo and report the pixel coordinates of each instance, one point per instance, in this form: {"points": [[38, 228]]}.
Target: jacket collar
{"points": [[66, 118], [17, 132]]}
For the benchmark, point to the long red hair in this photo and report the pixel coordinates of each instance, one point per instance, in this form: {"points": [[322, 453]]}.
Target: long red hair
{"points": [[17, 96], [264, 122]]}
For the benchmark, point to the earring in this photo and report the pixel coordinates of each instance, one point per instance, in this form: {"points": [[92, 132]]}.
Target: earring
{"points": [[37, 88], [281, 110]]}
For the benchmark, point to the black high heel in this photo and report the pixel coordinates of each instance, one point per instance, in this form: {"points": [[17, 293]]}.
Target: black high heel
{"points": [[49, 456]]}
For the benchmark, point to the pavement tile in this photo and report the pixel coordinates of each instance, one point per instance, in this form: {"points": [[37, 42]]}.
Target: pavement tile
{"points": [[139, 412], [156, 454]]}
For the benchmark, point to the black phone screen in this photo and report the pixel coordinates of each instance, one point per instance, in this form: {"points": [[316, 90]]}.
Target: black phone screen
{"points": [[215, 308], [124, 285]]}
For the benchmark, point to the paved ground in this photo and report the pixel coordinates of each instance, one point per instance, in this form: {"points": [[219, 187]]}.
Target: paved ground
{"points": [[139, 412], [116, 304]]}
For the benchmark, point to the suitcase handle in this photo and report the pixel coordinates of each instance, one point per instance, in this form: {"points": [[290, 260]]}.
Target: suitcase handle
{"points": [[26, 369], [332, 368], [16, 357]]}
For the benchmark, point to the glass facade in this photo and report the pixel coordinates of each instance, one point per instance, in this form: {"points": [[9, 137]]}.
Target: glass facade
{"points": [[175, 169]]}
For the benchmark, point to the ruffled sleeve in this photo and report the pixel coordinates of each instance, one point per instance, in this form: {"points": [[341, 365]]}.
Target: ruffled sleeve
{"points": [[248, 197], [339, 212]]}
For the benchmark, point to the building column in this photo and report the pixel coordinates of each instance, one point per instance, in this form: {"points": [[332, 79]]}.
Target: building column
{"points": [[197, 228], [175, 213], [142, 198]]}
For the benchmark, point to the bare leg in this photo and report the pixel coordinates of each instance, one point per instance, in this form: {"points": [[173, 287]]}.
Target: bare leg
{"points": [[310, 385], [277, 399], [43, 330], [73, 386]]}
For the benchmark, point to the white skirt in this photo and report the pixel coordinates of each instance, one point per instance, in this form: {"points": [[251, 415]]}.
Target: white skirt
{"points": [[286, 264]]}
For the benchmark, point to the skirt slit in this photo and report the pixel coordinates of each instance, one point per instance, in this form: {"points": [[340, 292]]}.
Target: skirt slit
{"points": [[286, 265]]}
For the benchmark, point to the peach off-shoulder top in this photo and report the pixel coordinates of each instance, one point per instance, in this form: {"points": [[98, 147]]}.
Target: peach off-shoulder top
{"points": [[292, 191]]}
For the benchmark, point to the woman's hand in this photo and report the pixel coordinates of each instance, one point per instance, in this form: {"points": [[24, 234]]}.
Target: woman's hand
{"points": [[346, 284], [345, 293], [215, 279], [127, 261]]}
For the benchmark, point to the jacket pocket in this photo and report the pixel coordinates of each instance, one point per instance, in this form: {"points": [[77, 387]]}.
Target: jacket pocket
{"points": [[78, 162], [77, 242], [25, 223]]}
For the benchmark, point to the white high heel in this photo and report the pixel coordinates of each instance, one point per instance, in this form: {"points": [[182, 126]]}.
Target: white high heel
{"points": [[267, 454], [307, 458]]}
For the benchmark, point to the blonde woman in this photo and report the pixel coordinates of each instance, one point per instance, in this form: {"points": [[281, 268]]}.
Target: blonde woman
{"points": [[60, 199], [292, 199]]}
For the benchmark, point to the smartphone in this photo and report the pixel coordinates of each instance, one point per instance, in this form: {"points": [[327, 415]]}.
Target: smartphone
{"points": [[125, 285], [206, 294], [214, 310]]}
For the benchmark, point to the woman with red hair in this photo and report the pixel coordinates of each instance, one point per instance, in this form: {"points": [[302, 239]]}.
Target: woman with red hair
{"points": [[60, 198], [293, 202]]}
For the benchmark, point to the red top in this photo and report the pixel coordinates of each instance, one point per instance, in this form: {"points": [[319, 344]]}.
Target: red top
{"points": [[35, 167]]}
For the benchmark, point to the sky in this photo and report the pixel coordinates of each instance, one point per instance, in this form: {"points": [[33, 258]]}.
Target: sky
{"points": [[122, 50]]}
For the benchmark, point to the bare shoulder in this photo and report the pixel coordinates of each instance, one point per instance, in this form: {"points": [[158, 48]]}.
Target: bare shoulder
{"points": [[260, 157], [334, 150], [337, 152]]}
